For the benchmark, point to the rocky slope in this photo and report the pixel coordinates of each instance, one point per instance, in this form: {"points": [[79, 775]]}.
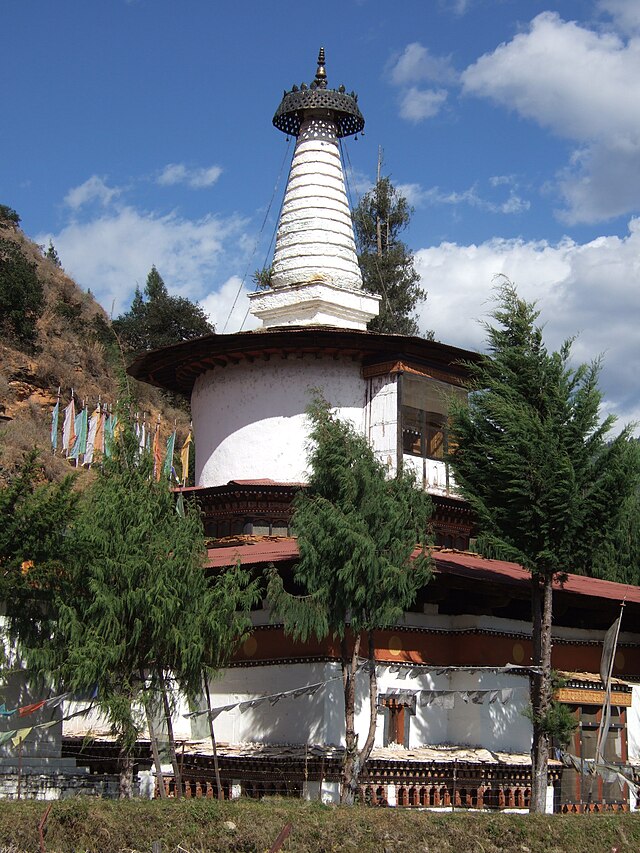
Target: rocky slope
{"points": [[74, 348]]}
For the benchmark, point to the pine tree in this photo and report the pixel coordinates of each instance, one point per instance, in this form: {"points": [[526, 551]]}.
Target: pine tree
{"points": [[356, 533], [534, 462], [52, 255], [157, 319], [386, 262]]}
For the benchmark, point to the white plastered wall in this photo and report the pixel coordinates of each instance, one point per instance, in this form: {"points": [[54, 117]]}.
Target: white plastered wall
{"points": [[381, 419], [317, 718], [40, 744], [250, 422], [633, 726]]}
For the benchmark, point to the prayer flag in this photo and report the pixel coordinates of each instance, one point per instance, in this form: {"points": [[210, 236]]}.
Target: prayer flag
{"points": [[168, 459], [30, 709], [69, 427], [91, 438], [606, 670], [80, 444], [157, 459], [54, 424], [55, 701], [609, 651], [5, 737], [21, 734], [184, 458], [98, 446], [118, 429], [109, 429]]}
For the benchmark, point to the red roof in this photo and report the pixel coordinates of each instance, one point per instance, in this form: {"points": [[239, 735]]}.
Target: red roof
{"points": [[265, 481], [265, 551], [461, 564]]}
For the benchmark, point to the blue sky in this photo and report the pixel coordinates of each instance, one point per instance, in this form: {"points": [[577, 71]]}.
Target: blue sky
{"points": [[137, 132]]}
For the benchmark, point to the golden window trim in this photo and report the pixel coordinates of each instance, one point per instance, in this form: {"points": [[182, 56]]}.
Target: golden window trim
{"points": [[580, 696]]}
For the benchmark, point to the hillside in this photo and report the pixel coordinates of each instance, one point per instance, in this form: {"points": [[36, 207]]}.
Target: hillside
{"points": [[74, 347]]}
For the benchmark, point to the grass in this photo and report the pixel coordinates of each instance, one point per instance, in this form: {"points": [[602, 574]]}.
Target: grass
{"points": [[247, 826]]}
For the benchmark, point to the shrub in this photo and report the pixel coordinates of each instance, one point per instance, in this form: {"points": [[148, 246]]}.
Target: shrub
{"points": [[8, 214], [21, 294]]}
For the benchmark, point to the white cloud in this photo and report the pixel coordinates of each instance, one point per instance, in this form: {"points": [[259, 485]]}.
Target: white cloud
{"points": [[197, 179], [625, 14], [417, 63], [112, 253], [419, 104], [93, 189], [586, 289], [228, 307], [584, 86], [419, 197]]}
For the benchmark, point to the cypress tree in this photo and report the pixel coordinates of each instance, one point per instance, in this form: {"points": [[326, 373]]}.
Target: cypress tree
{"points": [[548, 487], [35, 519], [135, 611], [356, 533]]}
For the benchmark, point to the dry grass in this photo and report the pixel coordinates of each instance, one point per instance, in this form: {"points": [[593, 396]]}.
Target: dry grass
{"points": [[250, 826]]}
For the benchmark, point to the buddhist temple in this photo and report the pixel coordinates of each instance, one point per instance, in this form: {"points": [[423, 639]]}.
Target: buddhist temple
{"points": [[453, 678]]}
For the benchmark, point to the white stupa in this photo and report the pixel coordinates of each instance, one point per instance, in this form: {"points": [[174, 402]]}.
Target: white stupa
{"points": [[316, 279]]}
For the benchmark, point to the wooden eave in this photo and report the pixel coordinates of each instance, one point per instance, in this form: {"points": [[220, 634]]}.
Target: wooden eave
{"points": [[177, 367]]}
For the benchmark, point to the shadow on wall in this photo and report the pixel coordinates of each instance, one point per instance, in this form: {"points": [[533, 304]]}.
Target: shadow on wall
{"points": [[262, 407], [316, 718], [40, 744], [494, 726]]}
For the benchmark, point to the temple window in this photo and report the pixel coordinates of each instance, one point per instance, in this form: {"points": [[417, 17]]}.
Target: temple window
{"points": [[424, 416]]}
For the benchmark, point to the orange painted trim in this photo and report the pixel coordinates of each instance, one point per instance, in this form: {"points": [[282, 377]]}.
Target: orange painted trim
{"points": [[473, 648]]}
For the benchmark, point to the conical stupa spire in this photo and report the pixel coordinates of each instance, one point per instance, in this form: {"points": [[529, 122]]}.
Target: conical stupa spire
{"points": [[315, 245]]}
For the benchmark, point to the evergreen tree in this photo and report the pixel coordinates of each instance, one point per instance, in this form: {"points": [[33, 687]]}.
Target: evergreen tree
{"points": [[135, 611], [21, 294], [157, 319], [8, 214], [34, 545], [52, 255], [356, 533], [386, 262], [533, 460]]}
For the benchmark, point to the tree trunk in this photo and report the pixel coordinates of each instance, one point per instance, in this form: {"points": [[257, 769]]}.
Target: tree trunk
{"points": [[177, 775], [541, 601], [153, 740], [351, 763], [365, 752], [125, 762], [216, 766]]}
